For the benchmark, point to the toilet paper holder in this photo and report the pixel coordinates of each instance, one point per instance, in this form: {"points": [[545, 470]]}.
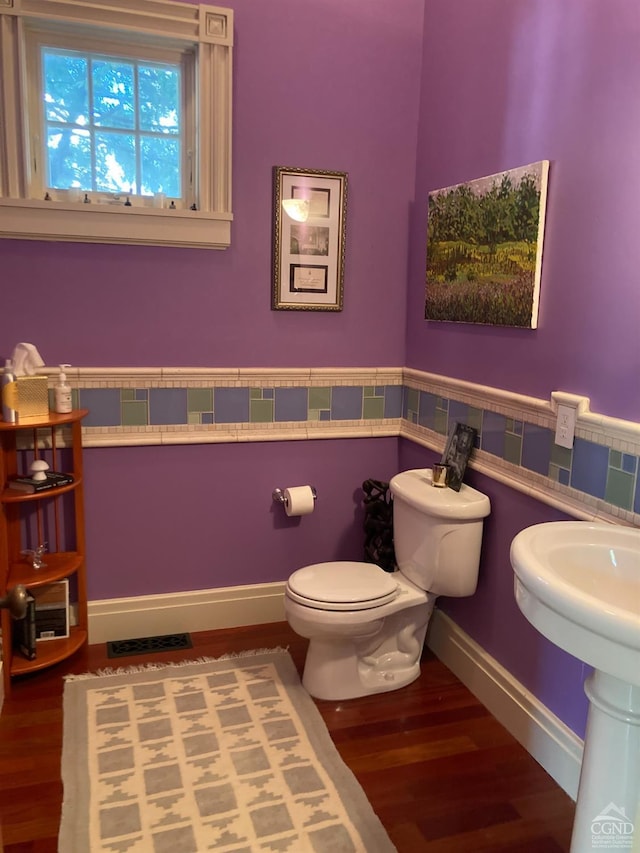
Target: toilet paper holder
{"points": [[278, 495]]}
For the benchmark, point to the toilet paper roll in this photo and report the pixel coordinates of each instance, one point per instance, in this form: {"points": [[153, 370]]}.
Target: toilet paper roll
{"points": [[298, 500]]}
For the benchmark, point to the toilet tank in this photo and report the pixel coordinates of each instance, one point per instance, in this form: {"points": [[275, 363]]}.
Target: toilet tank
{"points": [[437, 533]]}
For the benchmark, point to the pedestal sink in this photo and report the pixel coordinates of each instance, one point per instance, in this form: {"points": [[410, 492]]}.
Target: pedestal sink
{"points": [[578, 583]]}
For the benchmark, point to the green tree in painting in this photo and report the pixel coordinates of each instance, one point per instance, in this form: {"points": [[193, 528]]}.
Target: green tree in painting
{"points": [[496, 219], [526, 208]]}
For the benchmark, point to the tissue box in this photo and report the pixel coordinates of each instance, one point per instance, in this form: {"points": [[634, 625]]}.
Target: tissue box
{"points": [[32, 399]]}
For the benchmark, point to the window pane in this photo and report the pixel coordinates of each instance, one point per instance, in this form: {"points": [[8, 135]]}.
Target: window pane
{"points": [[69, 158], [113, 103], [159, 98], [115, 162], [128, 123], [160, 158], [65, 87]]}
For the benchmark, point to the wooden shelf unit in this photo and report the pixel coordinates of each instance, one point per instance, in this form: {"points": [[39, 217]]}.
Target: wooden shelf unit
{"points": [[60, 512]]}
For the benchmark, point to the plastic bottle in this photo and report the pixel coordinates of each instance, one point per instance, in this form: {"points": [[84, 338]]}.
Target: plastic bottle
{"points": [[8, 393], [62, 393]]}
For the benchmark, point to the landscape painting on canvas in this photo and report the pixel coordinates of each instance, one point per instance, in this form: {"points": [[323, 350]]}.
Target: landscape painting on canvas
{"points": [[484, 249]]}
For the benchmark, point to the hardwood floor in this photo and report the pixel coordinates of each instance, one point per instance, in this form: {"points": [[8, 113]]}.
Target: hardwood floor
{"points": [[442, 774]]}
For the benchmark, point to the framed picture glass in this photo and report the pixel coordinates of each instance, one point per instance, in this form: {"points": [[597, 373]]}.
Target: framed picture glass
{"points": [[309, 215]]}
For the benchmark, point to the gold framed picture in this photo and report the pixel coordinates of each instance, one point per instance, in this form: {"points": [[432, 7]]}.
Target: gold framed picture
{"points": [[309, 220]]}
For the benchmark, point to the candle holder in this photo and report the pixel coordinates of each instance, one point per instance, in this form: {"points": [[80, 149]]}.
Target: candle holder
{"points": [[439, 475]]}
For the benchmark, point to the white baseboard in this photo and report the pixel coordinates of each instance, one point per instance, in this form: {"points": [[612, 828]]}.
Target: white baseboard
{"points": [[543, 735], [178, 612]]}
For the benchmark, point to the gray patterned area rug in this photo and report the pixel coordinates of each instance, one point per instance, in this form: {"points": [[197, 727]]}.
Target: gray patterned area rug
{"points": [[223, 755]]}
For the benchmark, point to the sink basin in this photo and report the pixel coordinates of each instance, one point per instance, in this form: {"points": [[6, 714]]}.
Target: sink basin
{"points": [[578, 583]]}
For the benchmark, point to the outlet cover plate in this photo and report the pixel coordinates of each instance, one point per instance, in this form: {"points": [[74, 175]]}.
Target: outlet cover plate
{"points": [[565, 426]]}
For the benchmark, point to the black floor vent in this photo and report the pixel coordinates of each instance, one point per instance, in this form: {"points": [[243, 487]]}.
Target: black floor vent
{"points": [[148, 645]]}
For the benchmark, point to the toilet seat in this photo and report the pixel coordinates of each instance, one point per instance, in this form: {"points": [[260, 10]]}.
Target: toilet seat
{"points": [[342, 586]]}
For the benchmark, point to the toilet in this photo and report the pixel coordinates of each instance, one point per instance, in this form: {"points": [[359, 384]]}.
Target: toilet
{"points": [[366, 627]]}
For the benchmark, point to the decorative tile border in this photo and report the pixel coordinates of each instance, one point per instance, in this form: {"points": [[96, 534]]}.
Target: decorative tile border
{"points": [[155, 405], [598, 478]]}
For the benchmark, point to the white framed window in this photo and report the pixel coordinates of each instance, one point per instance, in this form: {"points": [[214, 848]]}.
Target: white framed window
{"points": [[106, 121], [115, 121]]}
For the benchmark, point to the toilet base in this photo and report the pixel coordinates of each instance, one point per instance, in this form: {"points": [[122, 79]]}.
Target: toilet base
{"points": [[328, 675], [344, 668]]}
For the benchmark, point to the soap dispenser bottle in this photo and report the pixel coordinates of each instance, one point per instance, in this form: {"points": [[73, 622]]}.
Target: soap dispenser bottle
{"points": [[8, 393], [62, 393]]}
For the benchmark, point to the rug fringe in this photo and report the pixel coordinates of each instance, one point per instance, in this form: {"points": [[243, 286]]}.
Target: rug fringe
{"points": [[145, 667]]}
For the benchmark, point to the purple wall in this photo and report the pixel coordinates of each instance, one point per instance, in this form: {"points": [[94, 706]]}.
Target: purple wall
{"points": [[331, 84], [175, 518], [505, 84]]}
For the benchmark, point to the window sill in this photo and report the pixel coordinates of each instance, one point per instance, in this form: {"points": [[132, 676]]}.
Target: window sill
{"points": [[97, 223]]}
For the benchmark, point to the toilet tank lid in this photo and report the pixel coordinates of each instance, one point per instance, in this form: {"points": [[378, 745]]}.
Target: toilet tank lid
{"points": [[415, 488]]}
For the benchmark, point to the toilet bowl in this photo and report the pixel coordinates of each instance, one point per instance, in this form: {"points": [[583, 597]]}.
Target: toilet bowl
{"points": [[366, 627], [370, 647]]}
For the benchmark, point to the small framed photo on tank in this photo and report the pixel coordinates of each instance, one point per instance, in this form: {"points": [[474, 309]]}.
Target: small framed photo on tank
{"points": [[460, 443]]}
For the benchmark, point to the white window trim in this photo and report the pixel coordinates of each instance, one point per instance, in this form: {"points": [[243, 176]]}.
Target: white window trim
{"points": [[210, 29]]}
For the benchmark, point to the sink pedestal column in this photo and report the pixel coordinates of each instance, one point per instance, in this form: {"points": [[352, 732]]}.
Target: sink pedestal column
{"points": [[608, 805]]}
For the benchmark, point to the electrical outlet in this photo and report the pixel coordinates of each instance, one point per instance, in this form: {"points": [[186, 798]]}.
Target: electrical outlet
{"points": [[565, 426]]}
